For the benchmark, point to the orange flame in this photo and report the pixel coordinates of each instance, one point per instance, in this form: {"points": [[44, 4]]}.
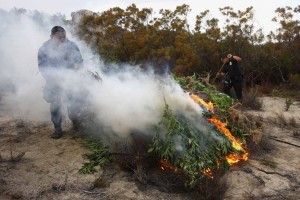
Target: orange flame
{"points": [[222, 127], [209, 106], [208, 172], [167, 166], [232, 158]]}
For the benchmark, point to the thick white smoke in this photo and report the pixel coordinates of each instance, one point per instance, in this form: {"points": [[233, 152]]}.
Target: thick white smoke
{"points": [[125, 100], [19, 42]]}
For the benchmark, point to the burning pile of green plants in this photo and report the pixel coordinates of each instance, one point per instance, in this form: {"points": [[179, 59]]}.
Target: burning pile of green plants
{"points": [[196, 150], [198, 154]]}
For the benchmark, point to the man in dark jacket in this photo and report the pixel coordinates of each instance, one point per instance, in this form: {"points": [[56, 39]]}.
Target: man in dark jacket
{"points": [[232, 75], [56, 56]]}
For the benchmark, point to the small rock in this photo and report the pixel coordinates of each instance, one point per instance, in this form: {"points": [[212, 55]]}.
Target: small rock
{"points": [[58, 187], [247, 169], [99, 183]]}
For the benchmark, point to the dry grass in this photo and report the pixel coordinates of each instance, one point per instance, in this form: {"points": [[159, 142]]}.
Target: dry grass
{"points": [[281, 120], [293, 122], [212, 188], [252, 102], [288, 103], [265, 146], [267, 88], [296, 133], [10, 152], [146, 168]]}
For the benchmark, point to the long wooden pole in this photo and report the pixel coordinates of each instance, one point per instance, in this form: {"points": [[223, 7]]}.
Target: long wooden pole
{"points": [[218, 73]]}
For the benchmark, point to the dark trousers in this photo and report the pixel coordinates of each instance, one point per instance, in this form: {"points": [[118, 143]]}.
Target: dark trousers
{"points": [[59, 98], [74, 111], [238, 88], [56, 114]]}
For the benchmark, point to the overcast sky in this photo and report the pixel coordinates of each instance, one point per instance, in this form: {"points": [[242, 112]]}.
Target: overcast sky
{"points": [[264, 9]]}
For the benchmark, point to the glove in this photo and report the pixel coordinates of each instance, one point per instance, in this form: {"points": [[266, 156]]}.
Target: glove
{"points": [[229, 55]]}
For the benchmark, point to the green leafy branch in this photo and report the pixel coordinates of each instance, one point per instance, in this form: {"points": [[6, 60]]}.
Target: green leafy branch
{"points": [[221, 101], [99, 156], [198, 151]]}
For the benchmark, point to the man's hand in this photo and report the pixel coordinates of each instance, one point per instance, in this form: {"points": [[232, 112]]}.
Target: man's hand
{"points": [[229, 55]]}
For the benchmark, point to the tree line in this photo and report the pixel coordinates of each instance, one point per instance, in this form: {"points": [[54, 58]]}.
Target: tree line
{"points": [[166, 42], [136, 36]]}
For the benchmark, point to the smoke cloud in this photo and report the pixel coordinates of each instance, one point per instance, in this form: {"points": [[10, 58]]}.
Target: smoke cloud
{"points": [[126, 99]]}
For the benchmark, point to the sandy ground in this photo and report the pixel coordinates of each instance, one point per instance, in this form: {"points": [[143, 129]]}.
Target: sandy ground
{"points": [[274, 171], [48, 169], [49, 164]]}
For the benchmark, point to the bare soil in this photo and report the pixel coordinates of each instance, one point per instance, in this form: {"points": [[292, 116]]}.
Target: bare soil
{"points": [[34, 166]]}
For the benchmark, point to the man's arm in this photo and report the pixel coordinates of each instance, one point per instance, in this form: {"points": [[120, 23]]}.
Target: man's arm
{"points": [[42, 59], [42, 62], [237, 58]]}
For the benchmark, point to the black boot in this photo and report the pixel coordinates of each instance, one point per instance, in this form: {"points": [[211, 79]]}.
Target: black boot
{"points": [[57, 132]]}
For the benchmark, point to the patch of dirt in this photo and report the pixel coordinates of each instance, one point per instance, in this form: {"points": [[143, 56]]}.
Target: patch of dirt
{"points": [[272, 172], [34, 166], [275, 107], [48, 168]]}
